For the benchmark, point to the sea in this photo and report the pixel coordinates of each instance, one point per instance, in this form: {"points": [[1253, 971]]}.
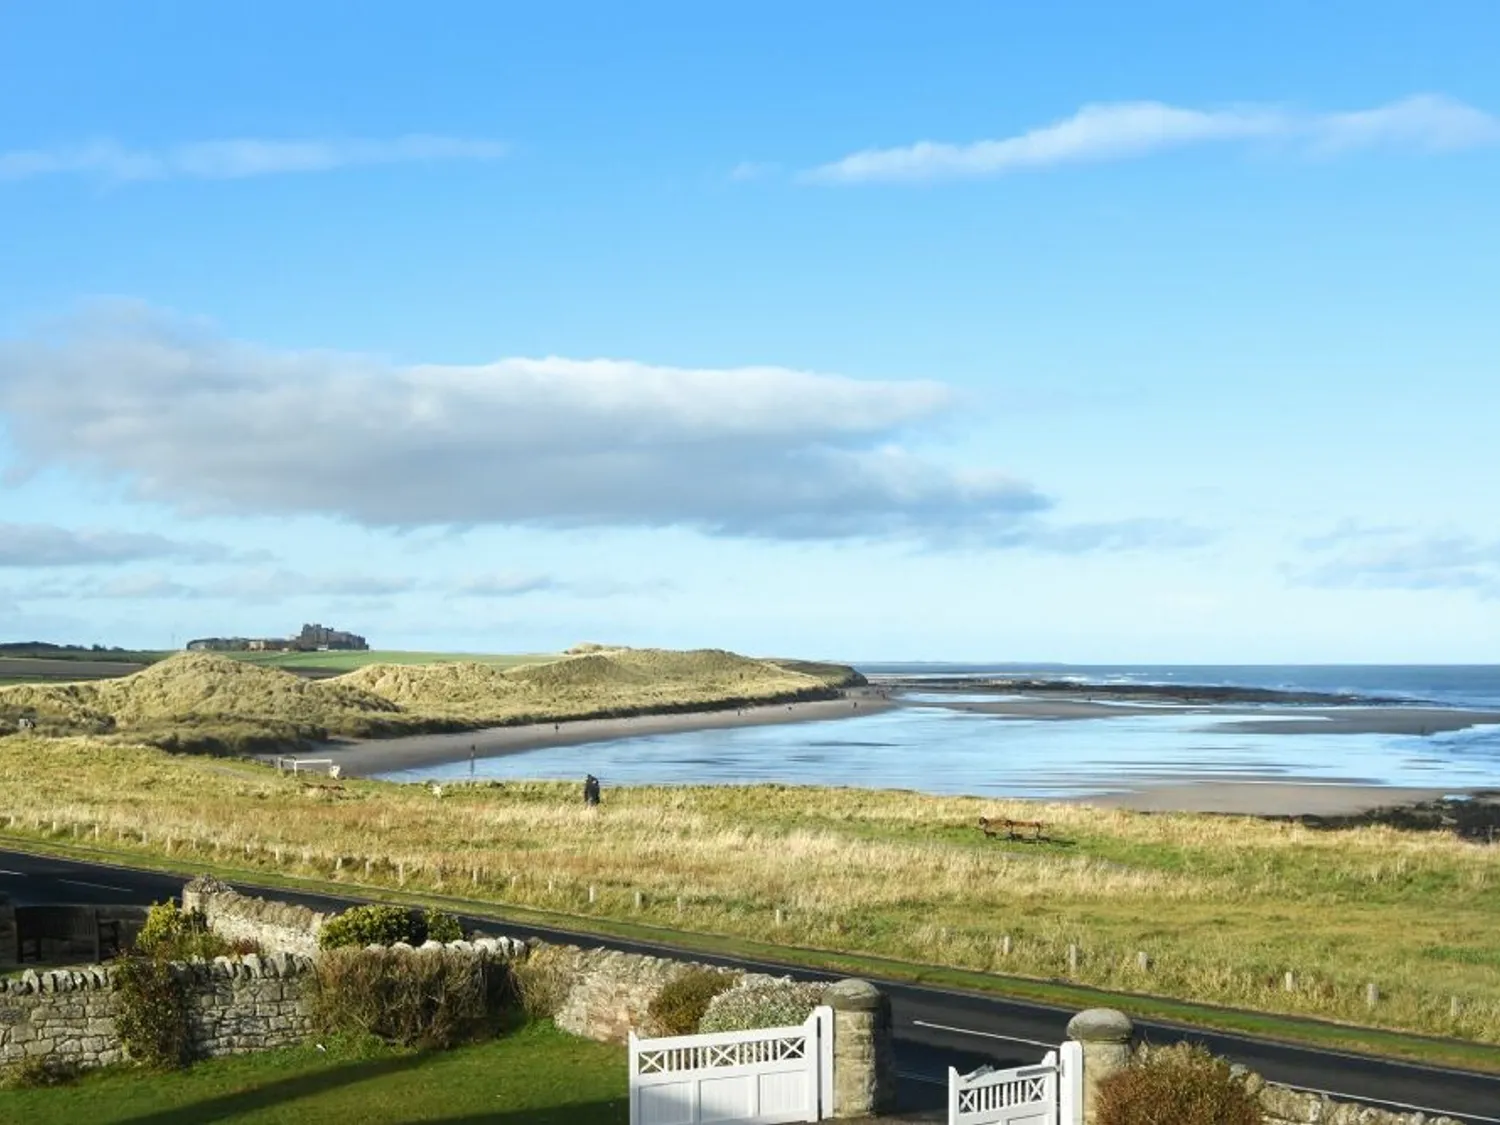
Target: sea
{"points": [[927, 747]]}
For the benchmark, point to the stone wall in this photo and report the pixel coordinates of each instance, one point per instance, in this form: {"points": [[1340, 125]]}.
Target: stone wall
{"points": [[235, 1005], [609, 993], [1283, 1105], [277, 927]]}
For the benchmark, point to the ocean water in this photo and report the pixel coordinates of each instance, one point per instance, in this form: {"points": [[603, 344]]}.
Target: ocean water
{"points": [[1450, 685], [936, 749]]}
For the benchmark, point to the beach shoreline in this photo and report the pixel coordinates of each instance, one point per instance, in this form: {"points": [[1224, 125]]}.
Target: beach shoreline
{"points": [[1292, 797], [1403, 719], [378, 756]]}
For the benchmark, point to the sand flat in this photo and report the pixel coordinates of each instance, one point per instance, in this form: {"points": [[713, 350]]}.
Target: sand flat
{"points": [[367, 757], [1263, 798]]}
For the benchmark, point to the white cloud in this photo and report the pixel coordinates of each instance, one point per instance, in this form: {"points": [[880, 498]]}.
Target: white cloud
{"points": [[1121, 130], [752, 170], [237, 158], [210, 425], [45, 545], [1383, 558], [256, 586], [519, 585]]}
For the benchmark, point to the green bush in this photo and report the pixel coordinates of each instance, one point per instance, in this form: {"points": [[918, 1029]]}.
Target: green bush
{"points": [[443, 927], [776, 1003], [151, 1011], [680, 1004], [1179, 1085], [172, 934], [421, 998], [374, 924], [377, 924]]}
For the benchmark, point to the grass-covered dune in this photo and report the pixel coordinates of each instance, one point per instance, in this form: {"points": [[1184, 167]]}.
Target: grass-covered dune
{"points": [[208, 701], [1224, 907]]}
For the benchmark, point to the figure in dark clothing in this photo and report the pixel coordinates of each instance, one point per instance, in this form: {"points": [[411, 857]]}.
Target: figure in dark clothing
{"points": [[591, 791]]}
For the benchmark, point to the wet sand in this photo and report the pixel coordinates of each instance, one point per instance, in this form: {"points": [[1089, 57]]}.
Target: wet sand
{"points": [[1263, 798], [1253, 720], [367, 757]]}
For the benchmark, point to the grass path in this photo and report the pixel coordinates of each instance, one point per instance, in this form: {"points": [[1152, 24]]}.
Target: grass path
{"points": [[537, 1076]]}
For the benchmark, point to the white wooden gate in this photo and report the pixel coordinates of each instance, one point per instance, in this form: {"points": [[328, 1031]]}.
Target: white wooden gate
{"points": [[763, 1077], [1048, 1094]]}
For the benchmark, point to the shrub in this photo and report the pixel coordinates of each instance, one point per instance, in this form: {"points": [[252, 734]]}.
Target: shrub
{"points": [[423, 998], [443, 927], [151, 1017], [37, 1071], [773, 1003], [378, 924], [1179, 1085], [680, 1004], [172, 934], [542, 982], [374, 924]]}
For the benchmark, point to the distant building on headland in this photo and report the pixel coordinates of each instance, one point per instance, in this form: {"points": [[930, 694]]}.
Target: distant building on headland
{"points": [[313, 638]]}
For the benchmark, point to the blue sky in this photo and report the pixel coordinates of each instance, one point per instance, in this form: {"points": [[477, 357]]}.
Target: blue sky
{"points": [[1084, 332]]}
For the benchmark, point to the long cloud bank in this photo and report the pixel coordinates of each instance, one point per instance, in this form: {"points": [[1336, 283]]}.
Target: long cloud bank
{"points": [[238, 158], [1125, 130], [210, 425]]}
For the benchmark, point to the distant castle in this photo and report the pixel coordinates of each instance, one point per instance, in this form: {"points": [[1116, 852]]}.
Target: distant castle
{"points": [[313, 638]]}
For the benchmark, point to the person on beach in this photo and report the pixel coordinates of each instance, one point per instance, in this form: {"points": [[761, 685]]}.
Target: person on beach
{"points": [[591, 791]]}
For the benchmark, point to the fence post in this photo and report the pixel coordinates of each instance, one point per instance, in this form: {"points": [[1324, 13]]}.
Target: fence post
{"points": [[864, 1065], [1104, 1035]]}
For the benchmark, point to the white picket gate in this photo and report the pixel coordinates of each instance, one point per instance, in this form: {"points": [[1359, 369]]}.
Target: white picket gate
{"points": [[1048, 1094], [765, 1077]]}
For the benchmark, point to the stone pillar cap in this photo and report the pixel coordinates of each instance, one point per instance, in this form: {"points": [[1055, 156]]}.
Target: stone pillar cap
{"points": [[1101, 1025], [853, 995]]}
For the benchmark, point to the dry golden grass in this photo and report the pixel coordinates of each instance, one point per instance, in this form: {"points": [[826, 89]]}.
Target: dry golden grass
{"points": [[1223, 906], [205, 700]]}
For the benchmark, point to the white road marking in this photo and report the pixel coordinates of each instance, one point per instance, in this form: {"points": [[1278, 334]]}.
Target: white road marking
{"points": [[17, 874], [97, 886], [1362, 1098], [986, 1034], [927, 1078]]}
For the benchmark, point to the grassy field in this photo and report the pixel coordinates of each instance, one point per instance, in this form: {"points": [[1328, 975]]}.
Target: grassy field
{"points": [[537, 1076], [206, 701], [1222, 906]]}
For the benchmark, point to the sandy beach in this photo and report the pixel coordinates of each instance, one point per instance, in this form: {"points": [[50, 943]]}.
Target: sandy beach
{"points": [[364, 758], [1263, 798]]}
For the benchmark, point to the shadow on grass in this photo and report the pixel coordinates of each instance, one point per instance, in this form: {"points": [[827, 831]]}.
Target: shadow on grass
{"points": [[276, 1093], [616, 1111]]}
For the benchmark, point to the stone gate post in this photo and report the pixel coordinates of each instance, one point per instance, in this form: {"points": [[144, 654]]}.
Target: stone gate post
{"points": [[864, 1065], [1104, 1034]]}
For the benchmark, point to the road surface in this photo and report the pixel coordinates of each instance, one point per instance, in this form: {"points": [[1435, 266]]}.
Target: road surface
{"points": [[934, 1028]]}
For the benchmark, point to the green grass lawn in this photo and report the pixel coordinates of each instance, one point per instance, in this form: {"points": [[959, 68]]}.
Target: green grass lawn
{"points": [[348, 661], [536, 1076]]}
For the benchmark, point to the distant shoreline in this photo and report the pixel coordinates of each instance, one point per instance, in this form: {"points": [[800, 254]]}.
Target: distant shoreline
{"points": [[376, 756]]}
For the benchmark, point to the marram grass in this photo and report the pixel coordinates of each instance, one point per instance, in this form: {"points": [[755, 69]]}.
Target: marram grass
{"points": [[1223, 907], [208, 701]]}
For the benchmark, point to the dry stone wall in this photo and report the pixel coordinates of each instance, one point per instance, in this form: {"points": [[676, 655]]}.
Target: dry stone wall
{"points": [[235, 1005], [1283, 1105], [277, 927]]}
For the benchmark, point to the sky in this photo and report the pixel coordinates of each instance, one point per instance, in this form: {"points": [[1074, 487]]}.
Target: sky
{"points": [[1082, 332]]}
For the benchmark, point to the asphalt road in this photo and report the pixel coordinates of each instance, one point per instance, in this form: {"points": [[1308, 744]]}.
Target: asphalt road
{"points": [[934, 1028]]}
